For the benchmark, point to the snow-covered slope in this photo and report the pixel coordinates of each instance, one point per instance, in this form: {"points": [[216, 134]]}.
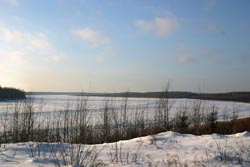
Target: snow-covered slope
{"points": [[164, 149]]}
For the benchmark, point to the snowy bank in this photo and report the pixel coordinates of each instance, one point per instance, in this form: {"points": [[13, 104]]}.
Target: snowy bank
{"points": [[164, 149]]}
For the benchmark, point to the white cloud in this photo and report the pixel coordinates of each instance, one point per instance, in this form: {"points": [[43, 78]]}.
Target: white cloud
{"points": [[14, 55], [37, 40], [92, 36], [29, 46], [185, 59], [96, 39], [158, 26]]}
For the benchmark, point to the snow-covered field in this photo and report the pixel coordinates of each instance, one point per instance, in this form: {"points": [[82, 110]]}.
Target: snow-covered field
{"points": [[164, 149]]}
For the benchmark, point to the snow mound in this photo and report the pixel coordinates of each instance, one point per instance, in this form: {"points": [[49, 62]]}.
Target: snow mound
{"points": [[243, 134], [163, 149]]}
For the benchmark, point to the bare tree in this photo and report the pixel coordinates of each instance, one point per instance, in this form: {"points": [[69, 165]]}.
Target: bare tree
{"points": [[164, 107], [106, 121], [124, 116]]}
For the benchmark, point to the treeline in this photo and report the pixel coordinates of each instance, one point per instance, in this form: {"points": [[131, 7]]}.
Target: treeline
{"points": [[11, 93], [230, 96]]}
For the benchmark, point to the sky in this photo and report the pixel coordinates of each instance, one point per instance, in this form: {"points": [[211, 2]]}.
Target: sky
{"points": [[125, 45]]}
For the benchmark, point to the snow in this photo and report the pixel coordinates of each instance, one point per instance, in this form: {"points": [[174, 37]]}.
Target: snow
{"points": [[54, 104], [164, 149]]}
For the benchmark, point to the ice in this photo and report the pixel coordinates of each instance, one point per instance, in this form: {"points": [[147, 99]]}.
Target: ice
{"points": [[57, 103]]}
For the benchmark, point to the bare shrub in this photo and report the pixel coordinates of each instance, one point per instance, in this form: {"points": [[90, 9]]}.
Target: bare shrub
{"points": [[164, 106], [74, 155]]}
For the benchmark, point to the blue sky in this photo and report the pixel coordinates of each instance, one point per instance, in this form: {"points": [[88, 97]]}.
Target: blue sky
{"points": [[125, 45]]}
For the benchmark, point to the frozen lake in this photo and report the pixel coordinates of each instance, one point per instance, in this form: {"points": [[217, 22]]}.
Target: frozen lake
{"points": [[52, 104]]}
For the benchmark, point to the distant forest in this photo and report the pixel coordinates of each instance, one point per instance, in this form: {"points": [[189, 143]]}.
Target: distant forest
{"points": [[11, 93], [230, 96]]}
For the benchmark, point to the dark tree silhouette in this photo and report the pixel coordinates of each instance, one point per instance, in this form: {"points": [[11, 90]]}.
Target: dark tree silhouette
{"points": [[11, 93]]}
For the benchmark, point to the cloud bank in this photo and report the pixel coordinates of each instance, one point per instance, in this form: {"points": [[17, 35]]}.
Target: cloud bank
{"points": [[37, 40], [92, 36]]}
